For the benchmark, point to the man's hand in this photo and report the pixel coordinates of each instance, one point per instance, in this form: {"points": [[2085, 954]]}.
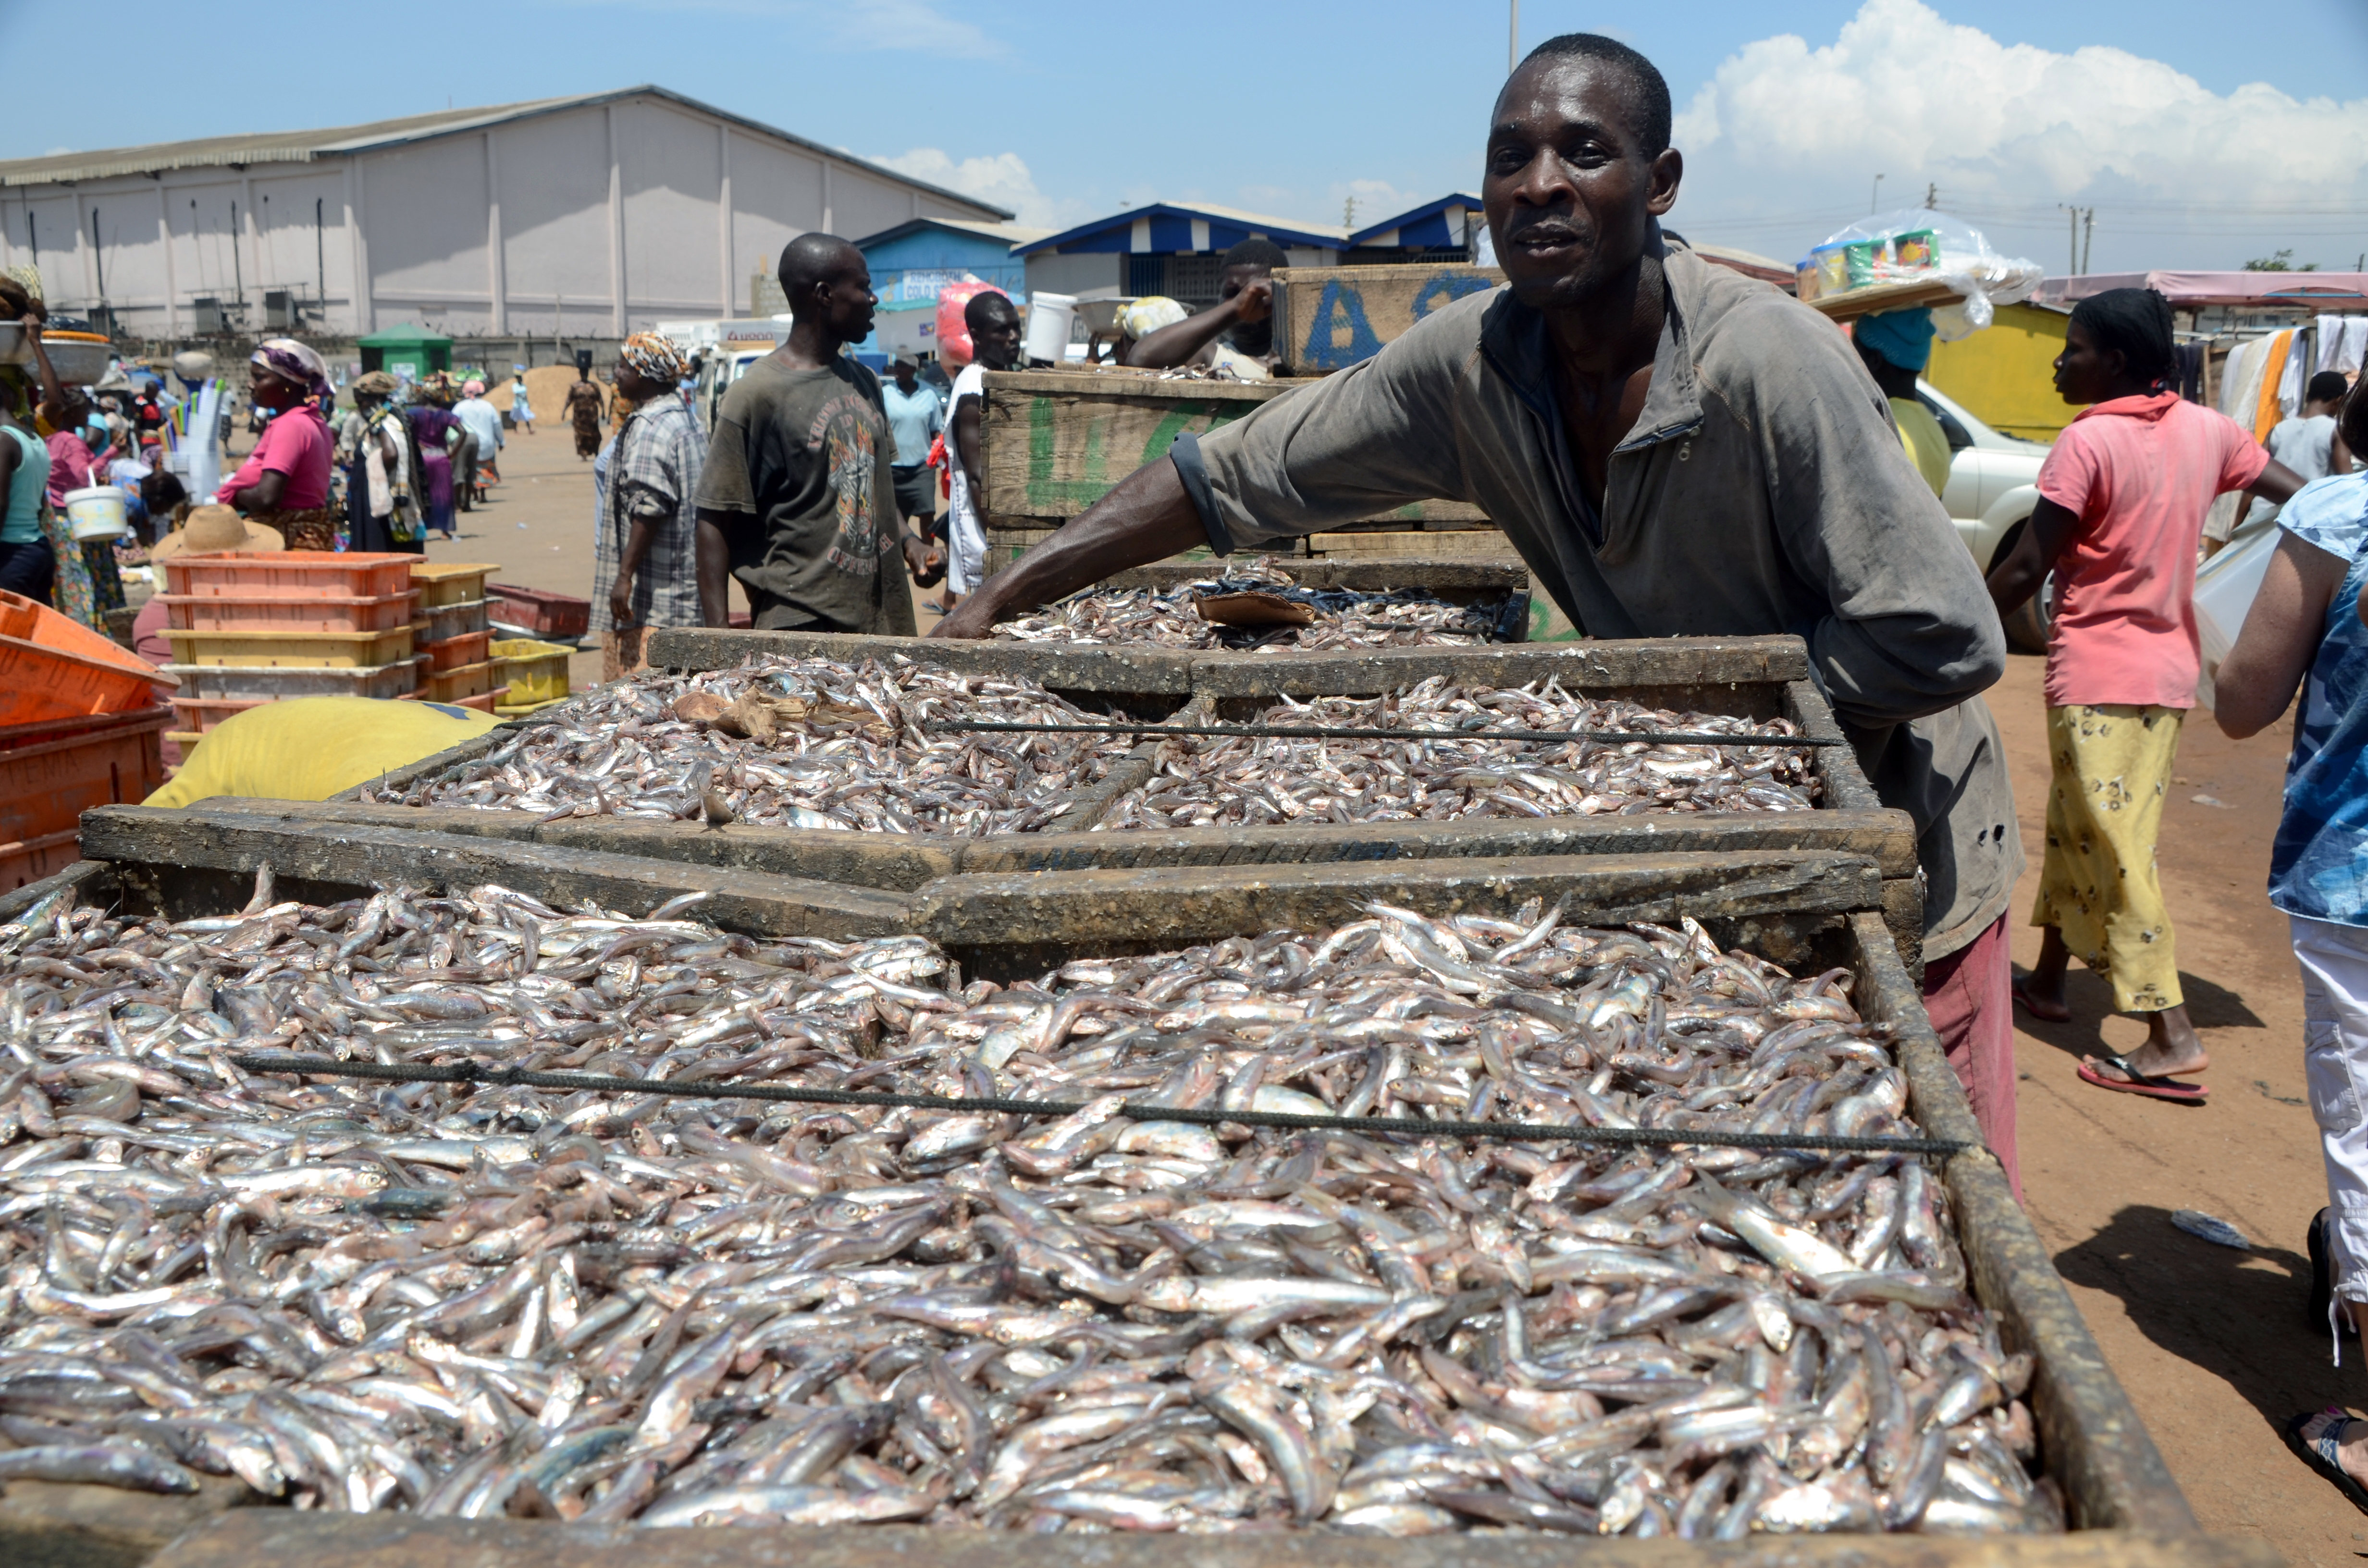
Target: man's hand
{"points": [[972, 617], [925, 560], [620, 604], [1256, 302]]}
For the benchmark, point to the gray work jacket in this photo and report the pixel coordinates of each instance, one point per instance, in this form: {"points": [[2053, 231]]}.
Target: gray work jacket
{"points": [[1763, 488]]}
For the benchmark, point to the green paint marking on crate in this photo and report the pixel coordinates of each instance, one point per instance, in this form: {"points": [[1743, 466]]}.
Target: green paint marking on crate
{"points": [[1096, 456], [1040, 449]]}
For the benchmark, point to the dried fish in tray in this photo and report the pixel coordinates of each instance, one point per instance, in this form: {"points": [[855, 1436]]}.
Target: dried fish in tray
{"points": [[471, 1300], [1437, 777], [859, 757], [1343, 618]]}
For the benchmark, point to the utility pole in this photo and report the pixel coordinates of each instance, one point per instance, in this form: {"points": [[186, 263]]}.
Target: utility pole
{"points": [[1931, 198], [1875, 203], [2072, 263], [1348, 213], [1513, 41], [2088, 238]]}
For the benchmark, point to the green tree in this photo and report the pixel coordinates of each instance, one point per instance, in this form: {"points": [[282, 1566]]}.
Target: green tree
{"points": [[2281, 262]]}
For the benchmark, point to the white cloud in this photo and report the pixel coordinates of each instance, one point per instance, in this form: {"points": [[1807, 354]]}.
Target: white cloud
{"points": [[1002, 178], [911, 26], [1786, 134]]}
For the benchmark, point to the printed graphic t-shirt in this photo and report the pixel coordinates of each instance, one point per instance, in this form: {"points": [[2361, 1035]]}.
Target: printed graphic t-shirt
{"points": [[801, 458]]}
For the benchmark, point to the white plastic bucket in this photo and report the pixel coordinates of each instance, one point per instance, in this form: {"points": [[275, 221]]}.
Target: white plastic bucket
{"points": [[1048, 326], [97, 513]]}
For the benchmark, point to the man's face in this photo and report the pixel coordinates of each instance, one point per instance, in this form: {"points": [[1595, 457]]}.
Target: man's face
{"points": [[1240, 277], [994, 342], [848, 300], [1569, 191], [905, 378]]}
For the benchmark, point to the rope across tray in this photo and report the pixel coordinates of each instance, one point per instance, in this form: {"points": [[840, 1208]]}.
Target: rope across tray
{"points": [[1507, 1131], [1325, 732]]}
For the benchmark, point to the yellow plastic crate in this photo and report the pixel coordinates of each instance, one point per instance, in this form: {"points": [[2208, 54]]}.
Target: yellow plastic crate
{"points": [[319, 650], [450, 582], [537, 671]]}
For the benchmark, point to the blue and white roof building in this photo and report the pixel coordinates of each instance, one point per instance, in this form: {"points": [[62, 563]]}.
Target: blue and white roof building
{"points": [[1444, 230], [1167, 247]]}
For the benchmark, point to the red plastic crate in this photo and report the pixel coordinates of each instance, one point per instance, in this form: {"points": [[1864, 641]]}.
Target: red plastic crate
{"points": [[263, 613], [454, 651], [55, 668], [540, 611], [53, 771], [290, 575]]}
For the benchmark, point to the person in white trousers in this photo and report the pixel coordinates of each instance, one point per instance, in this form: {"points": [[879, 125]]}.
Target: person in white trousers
{"points": [[2306, 628]]}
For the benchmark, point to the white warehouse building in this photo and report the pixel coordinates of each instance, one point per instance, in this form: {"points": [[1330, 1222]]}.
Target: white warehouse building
{"points": [[590, 216]]}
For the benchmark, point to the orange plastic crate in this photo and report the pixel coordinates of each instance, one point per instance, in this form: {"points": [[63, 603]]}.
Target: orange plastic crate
{"points": [[255, 612], [335, 650], [51, 772], [468, 680], [53, 668], [454, 651], [290, 575]]}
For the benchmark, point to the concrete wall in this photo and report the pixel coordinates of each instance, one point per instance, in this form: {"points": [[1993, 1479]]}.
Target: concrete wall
{"points": [[590, 222]]}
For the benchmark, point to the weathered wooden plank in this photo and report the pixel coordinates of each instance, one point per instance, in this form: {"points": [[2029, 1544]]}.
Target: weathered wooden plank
{"points": [[281, 1537], [53, 1524], [2091, 1435], [1644, 662], [889, 862], [1166, 907], [305, 853], [1886, 837], [1328, 318]]}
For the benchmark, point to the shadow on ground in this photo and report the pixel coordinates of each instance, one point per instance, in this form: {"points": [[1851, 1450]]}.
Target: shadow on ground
{"points": [[2238, 1315], [2210, 1005]]}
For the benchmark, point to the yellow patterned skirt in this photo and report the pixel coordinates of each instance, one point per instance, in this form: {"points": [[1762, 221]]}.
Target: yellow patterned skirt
{"points": [[2099, 885]]}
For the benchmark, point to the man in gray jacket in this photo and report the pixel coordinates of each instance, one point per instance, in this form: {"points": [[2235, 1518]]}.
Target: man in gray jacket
{"points": [[1676, 450]]}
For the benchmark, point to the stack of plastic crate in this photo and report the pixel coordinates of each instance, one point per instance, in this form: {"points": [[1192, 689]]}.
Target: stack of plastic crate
{"points": [[250, 628], [455, 657]]}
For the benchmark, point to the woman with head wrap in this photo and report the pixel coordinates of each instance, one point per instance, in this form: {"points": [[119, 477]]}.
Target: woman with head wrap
{"points": [[1895, 347], [375, 451], [585, 403], [437, 433], [2122, 502], [645, 485], [284, 484]]}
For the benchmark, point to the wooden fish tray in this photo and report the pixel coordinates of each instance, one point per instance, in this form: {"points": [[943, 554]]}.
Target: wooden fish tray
{"points": [[1755, 678], [1803, 910]]}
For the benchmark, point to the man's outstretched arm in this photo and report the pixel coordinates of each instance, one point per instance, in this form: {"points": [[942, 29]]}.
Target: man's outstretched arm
{"points": [[1147, 517]]}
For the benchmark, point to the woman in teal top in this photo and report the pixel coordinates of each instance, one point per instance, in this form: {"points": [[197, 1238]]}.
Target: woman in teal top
{"points": [[26, 565]]}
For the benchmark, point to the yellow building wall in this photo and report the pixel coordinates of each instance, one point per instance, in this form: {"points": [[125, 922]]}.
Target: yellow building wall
{"points": [[2005, 373]]}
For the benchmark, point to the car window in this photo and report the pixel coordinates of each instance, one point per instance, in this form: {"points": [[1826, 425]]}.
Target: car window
{"points": [[1951, 426]]}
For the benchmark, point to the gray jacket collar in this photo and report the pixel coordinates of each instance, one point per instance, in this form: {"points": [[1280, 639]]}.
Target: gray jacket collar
{"points": [[1514, 342]]}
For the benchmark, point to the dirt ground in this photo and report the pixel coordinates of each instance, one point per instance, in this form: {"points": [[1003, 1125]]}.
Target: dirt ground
{"points": [[2210, 1343]]}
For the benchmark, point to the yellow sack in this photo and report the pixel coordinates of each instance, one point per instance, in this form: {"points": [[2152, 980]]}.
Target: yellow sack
{"points": [[308, 748]]}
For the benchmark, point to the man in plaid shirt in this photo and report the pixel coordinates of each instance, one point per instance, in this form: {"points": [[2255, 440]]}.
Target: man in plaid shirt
{"points": [[646, 555]]}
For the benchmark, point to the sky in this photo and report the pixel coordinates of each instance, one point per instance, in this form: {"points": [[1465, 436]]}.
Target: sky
{"points": [[2201, 137]]}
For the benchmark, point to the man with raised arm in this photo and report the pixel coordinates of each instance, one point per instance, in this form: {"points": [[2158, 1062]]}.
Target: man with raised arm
{"points": [[1676, 450]]}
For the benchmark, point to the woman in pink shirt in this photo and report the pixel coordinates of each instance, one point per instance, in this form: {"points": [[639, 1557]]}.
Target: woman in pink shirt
{"points": [[284, 484], [2121, 512]]}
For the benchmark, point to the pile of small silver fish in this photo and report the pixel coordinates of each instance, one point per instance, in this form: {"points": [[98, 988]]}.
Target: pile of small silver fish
{"points": [[1435, 777], [1140, 617], [619, 751], [609, 1305]]}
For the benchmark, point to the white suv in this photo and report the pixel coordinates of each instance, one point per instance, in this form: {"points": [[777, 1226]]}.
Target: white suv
{"points": [[1992, 485]]}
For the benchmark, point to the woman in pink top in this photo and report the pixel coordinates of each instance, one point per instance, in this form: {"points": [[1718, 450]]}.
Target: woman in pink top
{"points": [[284, 484], [2121, 512]]}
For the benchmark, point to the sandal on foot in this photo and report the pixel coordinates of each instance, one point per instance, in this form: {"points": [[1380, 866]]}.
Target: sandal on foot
{"points": [[2134, 1081], [2323, 1454], [2052, 1012]]}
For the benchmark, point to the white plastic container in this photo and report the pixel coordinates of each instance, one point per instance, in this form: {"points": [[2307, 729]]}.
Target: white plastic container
{"points": [[1048, 326], [97, 513]]}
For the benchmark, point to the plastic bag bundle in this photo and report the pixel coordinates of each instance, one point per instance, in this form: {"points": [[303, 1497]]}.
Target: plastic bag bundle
{"points": [[1916, 244], [953, 333]]}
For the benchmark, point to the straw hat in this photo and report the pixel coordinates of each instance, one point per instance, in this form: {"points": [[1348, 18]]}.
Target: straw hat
{"points": [[217, 530]]}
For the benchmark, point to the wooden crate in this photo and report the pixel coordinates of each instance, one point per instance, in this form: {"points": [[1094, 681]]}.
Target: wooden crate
{"points": [[1756, 678], [1328, 318], [1057, 441], [1803, 911]]}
